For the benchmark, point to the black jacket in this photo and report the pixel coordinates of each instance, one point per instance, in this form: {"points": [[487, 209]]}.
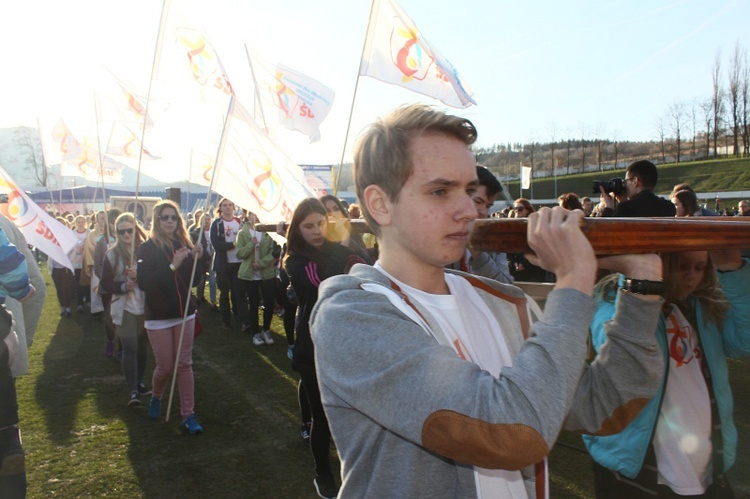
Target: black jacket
{"points": [[166, 291], [644, 204], [220, 244]]}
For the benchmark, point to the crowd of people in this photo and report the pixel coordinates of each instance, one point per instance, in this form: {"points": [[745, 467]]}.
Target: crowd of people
{"points": [[419, 357]]}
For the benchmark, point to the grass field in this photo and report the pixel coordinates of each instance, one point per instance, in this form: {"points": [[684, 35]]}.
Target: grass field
{"points": [[82, 440]]}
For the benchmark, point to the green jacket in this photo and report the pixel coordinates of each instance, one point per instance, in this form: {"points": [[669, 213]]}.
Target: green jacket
{"points": [[246, 252]]}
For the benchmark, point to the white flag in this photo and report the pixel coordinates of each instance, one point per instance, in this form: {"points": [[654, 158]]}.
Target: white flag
{"points": [[396, 52], [525, 177], [254, 173], [39, 229], [295, 100]]}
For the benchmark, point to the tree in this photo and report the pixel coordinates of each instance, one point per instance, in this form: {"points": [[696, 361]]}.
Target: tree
{"points": [[584, 129], [567, 153], [717, 99], [661, 130], [693, 105], [616, 144], [28, 141], [598, 133], [678, 120], [707, 107], [734, 72], [745, 101]]}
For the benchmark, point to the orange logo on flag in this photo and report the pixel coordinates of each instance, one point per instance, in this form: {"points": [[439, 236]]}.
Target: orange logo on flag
{"points": [[408, 54]]}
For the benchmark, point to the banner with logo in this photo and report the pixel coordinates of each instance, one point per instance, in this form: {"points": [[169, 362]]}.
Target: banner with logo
{"points": [[40, 230]]}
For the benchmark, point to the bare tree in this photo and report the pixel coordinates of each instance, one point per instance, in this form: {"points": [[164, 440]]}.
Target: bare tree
{"points": [[693, 112], [552, 129], [708, 109], [678, 121], [598, 134], [745, 102], [616, 144], [28, 141], [734, 72], [717, 99], [584, 130], [567, 152], [661, 129]]}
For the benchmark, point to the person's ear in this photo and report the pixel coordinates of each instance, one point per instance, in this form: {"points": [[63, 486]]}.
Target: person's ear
{"points": [[378, 204]]}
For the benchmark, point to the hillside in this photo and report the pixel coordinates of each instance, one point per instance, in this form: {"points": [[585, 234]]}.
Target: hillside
{"points": [[704, 176]]}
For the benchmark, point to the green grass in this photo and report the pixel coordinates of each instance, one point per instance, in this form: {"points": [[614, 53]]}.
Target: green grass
{"points": [[703, 176], [83, 441]]}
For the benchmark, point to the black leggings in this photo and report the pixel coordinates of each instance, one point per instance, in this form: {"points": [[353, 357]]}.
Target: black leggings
{"points": [[252, 292], [320, 434]]}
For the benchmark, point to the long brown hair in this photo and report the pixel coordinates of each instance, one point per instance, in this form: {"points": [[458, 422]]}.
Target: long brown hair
{"points": [[161, 238], [296, 244]]}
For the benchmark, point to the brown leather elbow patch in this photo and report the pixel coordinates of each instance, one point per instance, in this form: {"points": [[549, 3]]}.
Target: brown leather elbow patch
{"points": [[621, 417], [479, 443]]}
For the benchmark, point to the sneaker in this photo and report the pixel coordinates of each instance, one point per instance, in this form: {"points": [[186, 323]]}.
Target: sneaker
{"points": [[154, 408], [305, 432], [143, 389], [12, 456], [79, 308], [326, 487], [257, 339], [192, 426], [134, 401], [246, 327], [290, 352], [109, 349], [267, 338], [68, 311]]}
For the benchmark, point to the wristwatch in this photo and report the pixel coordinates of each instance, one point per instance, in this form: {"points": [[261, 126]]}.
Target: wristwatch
{"points": [[644, 287]]}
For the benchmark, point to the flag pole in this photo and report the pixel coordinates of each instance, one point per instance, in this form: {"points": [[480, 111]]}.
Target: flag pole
{"points": [[354, 96], [255, 89], [219, 154], [101, 165]]}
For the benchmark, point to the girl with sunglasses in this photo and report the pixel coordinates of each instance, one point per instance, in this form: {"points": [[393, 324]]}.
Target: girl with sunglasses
{"points": [[127, 303], [165, 264]]}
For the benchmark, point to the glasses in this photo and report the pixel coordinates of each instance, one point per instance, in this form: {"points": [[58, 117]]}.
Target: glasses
{"points": [[519, 208], [121, 232], [166, 218]]}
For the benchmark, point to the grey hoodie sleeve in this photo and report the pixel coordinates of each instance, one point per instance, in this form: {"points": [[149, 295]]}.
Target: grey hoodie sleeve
{"points": [[374, 362], [626, 372]]}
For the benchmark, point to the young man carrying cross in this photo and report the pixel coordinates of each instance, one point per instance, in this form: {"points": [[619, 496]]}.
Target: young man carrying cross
{"points": [[434, 382]]}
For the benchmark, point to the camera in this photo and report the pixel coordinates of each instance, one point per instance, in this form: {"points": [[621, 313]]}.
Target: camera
{"points": [[613, 185]]}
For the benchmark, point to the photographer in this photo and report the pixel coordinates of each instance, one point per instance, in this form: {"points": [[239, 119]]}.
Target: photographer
{"points": [[636, 194]]}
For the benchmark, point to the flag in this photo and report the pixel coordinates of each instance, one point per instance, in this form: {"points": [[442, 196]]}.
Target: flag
{"points": [[39, 229], [120, 100], [396, 52], [254, 173], [296, 101], [87, 165], [201, 168], [77, 158], [123, 141], [186, 59], [525, 177]]}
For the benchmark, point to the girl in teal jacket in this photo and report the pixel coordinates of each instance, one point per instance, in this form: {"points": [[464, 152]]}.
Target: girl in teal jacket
{"points": [[685, 439]]}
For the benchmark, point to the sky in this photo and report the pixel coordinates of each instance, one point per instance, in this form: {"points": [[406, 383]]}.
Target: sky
{"points": [[539, 69]]}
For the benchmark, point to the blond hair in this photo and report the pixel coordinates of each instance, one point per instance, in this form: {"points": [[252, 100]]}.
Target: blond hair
{"points": [[382, 155]]}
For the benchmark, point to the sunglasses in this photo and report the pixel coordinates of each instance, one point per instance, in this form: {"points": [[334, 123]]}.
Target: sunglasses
{"points": [[165, 218], [519, 208], [121, 232]]}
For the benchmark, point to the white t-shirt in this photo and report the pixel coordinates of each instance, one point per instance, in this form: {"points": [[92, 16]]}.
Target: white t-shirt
{"points": [[475, 336], [682, 442], [231, 228]]}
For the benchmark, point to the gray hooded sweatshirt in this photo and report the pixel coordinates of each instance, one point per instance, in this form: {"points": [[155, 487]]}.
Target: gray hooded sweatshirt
{"points": [[411, 419]]}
